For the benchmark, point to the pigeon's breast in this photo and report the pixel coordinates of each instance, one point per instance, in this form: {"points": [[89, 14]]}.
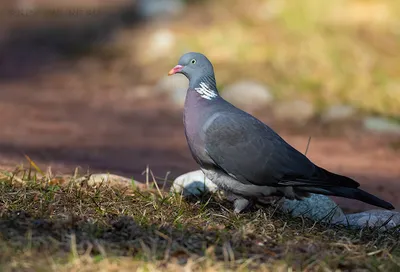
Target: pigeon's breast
{"points": [[195, 116], [194, 137]]}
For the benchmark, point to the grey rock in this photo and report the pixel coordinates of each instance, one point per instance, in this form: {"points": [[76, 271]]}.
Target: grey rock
{"points": [[338, 113], [382, 219], [160, 44], [110, 179], [248, 95], [193, 183], [316, 207], [26, 6], [138, 92], [178, 97], [379, 124], [175, 87], [297, 111], [159, 9]]}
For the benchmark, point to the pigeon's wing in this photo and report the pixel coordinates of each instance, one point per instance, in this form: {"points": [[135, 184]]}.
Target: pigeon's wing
{"points": [[248, 150]]}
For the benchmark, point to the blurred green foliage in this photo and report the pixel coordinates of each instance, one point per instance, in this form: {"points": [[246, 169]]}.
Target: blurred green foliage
{"points": [[344, 51], [329, 52]]}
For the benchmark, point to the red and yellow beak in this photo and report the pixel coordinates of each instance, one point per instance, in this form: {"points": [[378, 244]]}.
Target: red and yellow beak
{"points": [[175, 70]]}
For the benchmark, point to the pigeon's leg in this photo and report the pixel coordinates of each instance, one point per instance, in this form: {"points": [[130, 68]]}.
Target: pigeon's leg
{"points": [[240, 204]]}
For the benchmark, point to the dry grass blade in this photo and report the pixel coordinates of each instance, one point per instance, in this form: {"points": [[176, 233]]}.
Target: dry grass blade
{"points": [[155, 183], [33, 164], [308, 145]]}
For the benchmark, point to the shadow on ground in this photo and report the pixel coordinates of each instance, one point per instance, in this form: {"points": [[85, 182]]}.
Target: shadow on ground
{"points": [[42, 225]]}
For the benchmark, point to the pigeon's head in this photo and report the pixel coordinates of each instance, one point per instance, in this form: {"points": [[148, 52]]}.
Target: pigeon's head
{"points": [[194, 66]]}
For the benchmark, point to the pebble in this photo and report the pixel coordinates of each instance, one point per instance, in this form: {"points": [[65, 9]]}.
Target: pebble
{"points": [[110, 179], [248, 95], [176, 87], [160, 44], [383, 125], [193, 183], [297, 111], [160, 9], [382, 219], [316, 207], [338, 113]]}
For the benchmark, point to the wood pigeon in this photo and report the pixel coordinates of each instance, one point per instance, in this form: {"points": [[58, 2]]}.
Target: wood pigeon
{"points": [[245, 157]]}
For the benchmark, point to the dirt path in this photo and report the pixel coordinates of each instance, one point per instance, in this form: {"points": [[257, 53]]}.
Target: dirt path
{"points": [[59, 123]]}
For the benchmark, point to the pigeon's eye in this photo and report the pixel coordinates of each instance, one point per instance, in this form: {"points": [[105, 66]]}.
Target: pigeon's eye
{"points": [[193, 61]]}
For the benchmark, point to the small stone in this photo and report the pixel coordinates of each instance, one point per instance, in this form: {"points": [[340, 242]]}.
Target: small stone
{"points": [[193, 183], [110, 179], [383, 125], [338, 113], [25, 6], [315, 207], [297, 111], [248, 95], [382, 219], [160, 43], [159, 9], [139, 92], [176, 87], [179, 96]]}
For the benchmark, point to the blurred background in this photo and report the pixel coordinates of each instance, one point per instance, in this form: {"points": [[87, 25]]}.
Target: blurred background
{"points": [[83, 83]]}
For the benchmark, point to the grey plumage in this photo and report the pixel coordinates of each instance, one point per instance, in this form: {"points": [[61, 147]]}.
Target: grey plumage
{"points": [[245, 157]]}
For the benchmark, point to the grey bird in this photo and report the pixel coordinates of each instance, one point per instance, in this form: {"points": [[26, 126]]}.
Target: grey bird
{"points": [[245, 157]]}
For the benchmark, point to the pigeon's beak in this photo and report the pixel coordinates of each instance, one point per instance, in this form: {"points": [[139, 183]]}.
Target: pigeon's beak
{"points": [[175, 70]]}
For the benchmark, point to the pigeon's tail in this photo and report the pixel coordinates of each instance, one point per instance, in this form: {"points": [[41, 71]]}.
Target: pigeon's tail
{"points": [[352, 193]]}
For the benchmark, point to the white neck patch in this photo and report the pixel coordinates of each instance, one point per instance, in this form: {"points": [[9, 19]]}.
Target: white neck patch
{"points": [[205, 91]]}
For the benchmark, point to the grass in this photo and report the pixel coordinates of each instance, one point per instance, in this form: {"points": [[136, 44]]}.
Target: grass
{"points": [[55, 224]]}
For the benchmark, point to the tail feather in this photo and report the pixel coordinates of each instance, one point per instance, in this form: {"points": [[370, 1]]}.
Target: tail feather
{"points": [[339, 180], [352, 193], [321, 177]]}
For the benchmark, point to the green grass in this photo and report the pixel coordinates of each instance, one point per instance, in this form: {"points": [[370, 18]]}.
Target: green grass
{"points": [[49, 224]]}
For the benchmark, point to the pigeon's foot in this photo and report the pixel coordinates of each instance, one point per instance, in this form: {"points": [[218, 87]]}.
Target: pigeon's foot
{"points": [[242, 204]]}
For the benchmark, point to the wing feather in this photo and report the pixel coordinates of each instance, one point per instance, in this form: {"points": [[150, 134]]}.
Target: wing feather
{"points": [[246, 148]]}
